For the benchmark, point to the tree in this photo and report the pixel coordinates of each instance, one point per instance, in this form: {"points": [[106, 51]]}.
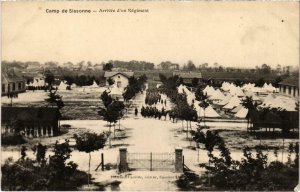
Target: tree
{"points": [[49, 79], [110, 81], [167, 65], [107, 67], [260, 82], [59, 174], [162, 78], [70, 80], [88, 143], [204, 104], [54, 98], [238, 82], [112, 113], [23, 152], [251, 106], [265, 69], [276, 81], [252, 173], [202, 98], [135, 85], [195, 82], [119, 107], [40, 151], [106, 99], [190, 66]]}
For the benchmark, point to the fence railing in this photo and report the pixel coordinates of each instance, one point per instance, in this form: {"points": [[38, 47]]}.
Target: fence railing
{"points": [[151, 161]]}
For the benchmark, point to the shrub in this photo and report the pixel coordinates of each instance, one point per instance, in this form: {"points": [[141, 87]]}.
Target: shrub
{"points": [[12, 139], [55, 175]]}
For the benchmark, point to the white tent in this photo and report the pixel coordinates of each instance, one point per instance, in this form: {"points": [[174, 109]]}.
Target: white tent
{"points": [[73, 85], [233, 102], [249, 93], [282, 103], [232, 89], [218, 95], [268, 100], [209, 111], [269, 97], [225, 100], [208, 90], [255, 98], [242, 113], [180, 89], [258, 90], [248, 86], [190, 98], [269, 88], [239, 92], [95, 85], [236, 91], [62, 86], [225, 86], [236, 109]]}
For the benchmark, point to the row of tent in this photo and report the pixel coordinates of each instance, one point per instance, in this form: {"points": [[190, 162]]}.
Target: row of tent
{"points": [[37, 83], [62, 86], [209, 111], [232, 100], [228, 102], [232, 89], [233, 104], [216, 95]]}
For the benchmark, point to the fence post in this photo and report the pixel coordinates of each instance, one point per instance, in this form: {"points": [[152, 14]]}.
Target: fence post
{"points": [[102, 162], [123, 159], [151, 161], [178, 160]]}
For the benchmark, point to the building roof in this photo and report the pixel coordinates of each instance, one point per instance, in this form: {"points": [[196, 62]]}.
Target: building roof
{"points": [[113, 73], [11, 77], [188, 75], [30, 113], [291, 81]]}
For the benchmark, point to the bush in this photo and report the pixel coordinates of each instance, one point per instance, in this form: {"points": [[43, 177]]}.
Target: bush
{"points": [[12, 139], [189, 181], [253, 172], [41, 175]]}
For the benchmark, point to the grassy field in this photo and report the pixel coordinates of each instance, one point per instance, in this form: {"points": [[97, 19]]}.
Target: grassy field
{"points": [[79, 104]]}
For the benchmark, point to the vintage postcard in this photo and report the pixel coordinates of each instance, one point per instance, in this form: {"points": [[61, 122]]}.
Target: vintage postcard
{"points": [[150, 96]]}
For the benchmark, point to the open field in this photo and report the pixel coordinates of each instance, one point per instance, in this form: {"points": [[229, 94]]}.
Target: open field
{"points": [[80, 103]]}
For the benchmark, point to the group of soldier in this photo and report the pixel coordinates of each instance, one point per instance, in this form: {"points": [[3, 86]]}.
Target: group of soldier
{"points": [[153, 112]]}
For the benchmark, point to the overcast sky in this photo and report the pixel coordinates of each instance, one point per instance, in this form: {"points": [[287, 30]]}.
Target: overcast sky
{"points": [[243, 34]]}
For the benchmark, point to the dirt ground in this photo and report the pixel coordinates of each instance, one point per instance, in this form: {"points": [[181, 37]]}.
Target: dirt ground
{"points": [[142, 135]]}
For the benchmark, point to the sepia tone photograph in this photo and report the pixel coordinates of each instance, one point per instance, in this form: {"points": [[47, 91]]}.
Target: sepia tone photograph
{"points": [[150, 96]]}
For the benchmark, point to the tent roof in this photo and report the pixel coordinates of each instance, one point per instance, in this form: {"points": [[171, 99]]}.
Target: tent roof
{"points": [[242, 113], [113, 73], [233, 102], [236, 109], [225, 100], [218, 95]]}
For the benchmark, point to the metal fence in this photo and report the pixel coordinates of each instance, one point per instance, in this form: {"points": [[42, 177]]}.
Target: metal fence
{"points": [[151, 161]]}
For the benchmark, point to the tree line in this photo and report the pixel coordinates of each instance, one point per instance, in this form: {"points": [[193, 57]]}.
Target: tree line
{"points": [[135, 85]]}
